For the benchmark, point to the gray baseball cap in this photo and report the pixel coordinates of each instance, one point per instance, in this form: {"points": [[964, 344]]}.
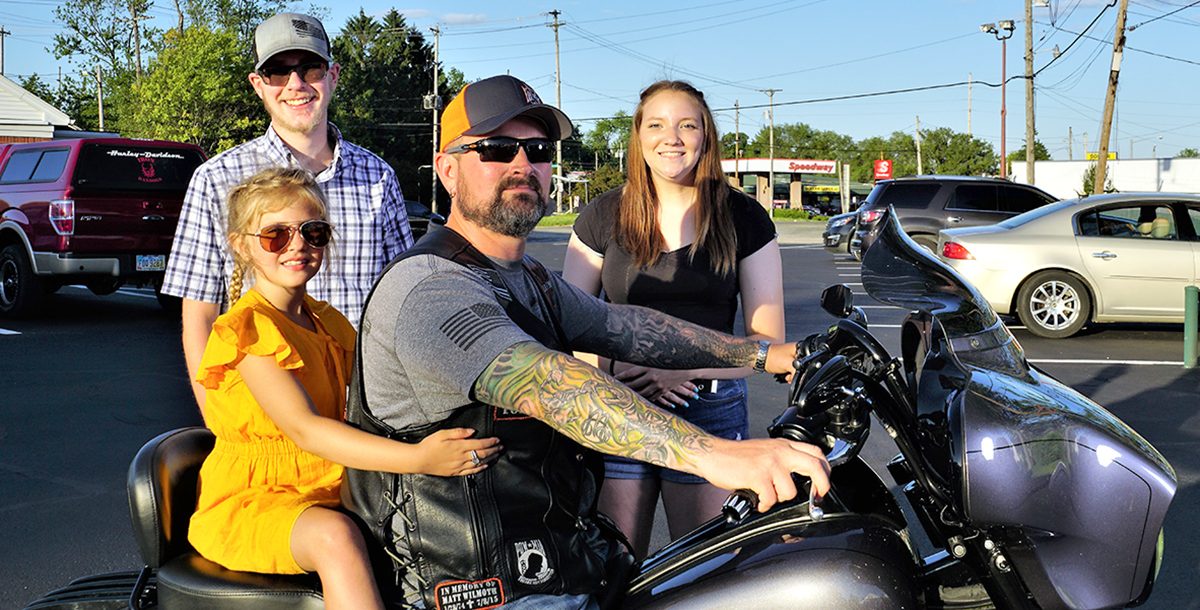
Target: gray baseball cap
{"points": [[290, 32]]}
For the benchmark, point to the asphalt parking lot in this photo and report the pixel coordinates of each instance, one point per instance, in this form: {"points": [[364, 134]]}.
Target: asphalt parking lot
{"points": [[91, 378]]}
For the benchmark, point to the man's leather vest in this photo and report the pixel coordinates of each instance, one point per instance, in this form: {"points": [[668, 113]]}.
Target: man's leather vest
{"points": [[526, 524]]}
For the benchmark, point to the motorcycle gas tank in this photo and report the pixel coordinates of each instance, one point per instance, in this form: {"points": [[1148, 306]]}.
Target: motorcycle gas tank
{"points": [[1088, 492], [784, 559]]}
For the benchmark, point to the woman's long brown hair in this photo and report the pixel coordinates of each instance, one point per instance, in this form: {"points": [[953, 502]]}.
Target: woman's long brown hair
{"points": [[637, 216]]}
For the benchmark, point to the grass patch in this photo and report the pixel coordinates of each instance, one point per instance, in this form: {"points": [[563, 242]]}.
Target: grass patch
{"points": [[559, 220], [791, 214]]}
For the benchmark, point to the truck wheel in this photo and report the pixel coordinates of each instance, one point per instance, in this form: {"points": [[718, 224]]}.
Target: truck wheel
{"points": [[1054, 304], [20, 289]]}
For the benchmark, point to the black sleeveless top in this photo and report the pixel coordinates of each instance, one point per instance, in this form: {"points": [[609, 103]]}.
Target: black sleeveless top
{"points": [[687, 289]]}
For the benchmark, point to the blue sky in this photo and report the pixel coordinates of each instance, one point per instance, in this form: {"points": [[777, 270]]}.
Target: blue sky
{"points": [[808, 50]]}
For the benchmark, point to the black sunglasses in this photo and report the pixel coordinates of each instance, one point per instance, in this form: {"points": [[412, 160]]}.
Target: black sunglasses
{"points": [[502, 149], [275, 238], [278, 76]]}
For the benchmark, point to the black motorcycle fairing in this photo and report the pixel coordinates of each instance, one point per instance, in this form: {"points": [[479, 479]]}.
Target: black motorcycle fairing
{"points": [[784, 559]]}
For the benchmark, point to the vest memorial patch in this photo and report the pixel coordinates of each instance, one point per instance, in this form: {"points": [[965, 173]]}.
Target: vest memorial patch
{"points": [[533, 566], [469, 594]]}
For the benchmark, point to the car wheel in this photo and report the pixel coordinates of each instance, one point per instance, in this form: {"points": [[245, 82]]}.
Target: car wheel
{"points": [[20, 289], [926, 241], [1054, 304]]}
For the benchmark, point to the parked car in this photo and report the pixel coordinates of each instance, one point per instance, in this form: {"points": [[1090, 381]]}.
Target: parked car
{"points": [[928, 204], [420, 216], [1108, 258], [839, 230], [99, 212]]}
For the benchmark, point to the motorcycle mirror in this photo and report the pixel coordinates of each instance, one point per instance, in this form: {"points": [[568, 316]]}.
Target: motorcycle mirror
{"points": [[837, 300]]}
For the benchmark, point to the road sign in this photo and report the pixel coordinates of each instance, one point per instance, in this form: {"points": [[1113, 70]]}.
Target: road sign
{"points": [[883, 169]]}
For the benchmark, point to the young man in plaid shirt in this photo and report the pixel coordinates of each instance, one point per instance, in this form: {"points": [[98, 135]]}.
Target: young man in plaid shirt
{"points": [[295, 77]]}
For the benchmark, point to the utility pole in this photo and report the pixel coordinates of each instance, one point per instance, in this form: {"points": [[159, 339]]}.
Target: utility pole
{"points": [[920, 168], [737, 143], [100, 96], [969, 82], [1110, 99], [1070, 144], [771, 145], [3, 33], [435, 106], [558, 187], [137, 39], [1029, 128]]}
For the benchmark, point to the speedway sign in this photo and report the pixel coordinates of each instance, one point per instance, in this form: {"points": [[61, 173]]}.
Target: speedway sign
{"points": [[780, 166]]}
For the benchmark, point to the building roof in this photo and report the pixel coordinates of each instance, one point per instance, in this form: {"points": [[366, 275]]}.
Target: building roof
{"points": [[23, 114]]}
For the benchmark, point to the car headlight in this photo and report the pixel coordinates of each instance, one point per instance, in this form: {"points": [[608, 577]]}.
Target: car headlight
{"points": [[833, 224]]}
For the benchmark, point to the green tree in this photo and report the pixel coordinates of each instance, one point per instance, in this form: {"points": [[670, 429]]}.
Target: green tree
{"points": [[1188, 153], [1040, 153], [609, 136], [734, 145], [945, 151], [386, 73], [605, 178], [220, 114], [800, 141], [1089, 182]]}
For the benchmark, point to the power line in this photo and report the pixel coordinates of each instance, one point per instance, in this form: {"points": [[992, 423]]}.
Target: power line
{"points": [[1134, 27]]}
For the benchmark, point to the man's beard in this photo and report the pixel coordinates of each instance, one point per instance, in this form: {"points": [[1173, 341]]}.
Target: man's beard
{"points": [[515, 217]]}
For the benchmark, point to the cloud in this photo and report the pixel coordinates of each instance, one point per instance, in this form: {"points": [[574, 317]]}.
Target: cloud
{"points": [[415, 13], [463, 18]]}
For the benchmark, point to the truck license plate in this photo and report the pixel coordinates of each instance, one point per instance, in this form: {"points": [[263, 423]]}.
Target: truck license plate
{"points": [[151, 262]]}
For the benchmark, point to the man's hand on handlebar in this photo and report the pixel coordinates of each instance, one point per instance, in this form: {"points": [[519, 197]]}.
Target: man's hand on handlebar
{"points": [[765, 466]]}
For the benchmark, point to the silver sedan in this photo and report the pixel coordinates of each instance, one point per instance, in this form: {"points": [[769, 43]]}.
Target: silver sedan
{"points": [[1106, 258]]}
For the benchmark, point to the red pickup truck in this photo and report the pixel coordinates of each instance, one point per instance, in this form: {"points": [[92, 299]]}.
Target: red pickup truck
{"points": [[100, 212]]}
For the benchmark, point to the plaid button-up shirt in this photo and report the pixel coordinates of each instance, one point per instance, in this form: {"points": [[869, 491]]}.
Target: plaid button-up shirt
{"points": [[365, 207]]}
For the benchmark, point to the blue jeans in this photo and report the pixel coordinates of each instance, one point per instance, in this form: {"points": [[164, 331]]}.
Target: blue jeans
{"points": [[553, 602], [722, 413]]}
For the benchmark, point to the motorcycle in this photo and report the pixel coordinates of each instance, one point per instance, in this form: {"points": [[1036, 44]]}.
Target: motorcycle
{"points": [[1012, 489]]}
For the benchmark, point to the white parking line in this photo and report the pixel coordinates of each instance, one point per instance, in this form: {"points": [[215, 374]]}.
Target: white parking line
{"points": [[5, 331], [1129, 362], [849, 274], [801, 247]]}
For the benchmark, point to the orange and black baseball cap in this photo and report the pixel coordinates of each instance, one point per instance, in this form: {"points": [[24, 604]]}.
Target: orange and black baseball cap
{"points": [[483, 106]]}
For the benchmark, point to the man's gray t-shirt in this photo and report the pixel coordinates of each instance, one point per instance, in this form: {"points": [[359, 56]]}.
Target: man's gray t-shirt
{"points": [[433, 325]]}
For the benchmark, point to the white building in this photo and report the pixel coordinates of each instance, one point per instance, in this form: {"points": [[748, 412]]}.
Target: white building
{"points": [[1064, 179], [24, 117]]}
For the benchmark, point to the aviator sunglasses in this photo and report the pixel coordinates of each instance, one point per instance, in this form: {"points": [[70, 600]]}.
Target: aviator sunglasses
{"points": [[309, 72], [275, 238], [502, 149]]}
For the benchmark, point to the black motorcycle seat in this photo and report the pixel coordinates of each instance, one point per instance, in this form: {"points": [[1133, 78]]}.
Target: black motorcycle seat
{"points": [[162, 487], [193, 582]]}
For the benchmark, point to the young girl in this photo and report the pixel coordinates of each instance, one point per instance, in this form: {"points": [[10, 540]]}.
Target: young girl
{"points": [[276, 369], [677, 238]]}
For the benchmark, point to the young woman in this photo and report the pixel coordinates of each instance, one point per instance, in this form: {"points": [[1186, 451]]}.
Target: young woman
{"points": [[276, 369], [677, 238]]}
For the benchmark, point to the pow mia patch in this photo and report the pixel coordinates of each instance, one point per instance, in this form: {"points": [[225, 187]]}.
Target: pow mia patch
{"points": [[533, 565], [469, 594]]}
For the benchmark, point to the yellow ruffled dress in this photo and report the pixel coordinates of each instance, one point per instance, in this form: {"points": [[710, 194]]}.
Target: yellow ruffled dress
{"points": [[256, 481]]}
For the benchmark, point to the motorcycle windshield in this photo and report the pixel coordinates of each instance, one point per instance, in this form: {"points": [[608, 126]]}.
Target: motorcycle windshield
{"points": [[897, 271]]}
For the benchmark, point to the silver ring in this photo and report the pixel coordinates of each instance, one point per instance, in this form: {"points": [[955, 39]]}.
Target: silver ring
{"points": [[474, 457]]}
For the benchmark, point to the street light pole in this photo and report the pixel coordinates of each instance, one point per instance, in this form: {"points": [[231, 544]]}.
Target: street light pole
{"points": [[1002, 31], [771, 145]]}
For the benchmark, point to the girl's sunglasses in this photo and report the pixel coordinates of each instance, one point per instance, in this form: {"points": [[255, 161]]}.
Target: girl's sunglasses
{"points": [[502, 149], [275, 238], [278, 76]]}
